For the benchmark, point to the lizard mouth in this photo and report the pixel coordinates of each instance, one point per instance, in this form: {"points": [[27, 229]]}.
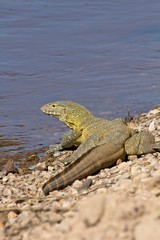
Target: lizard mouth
{"points": [[47, 110], [48, 113], [51, 113]]}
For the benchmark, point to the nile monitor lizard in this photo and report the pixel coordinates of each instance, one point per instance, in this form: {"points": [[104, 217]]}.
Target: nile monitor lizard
{"points": [[100, 142]]}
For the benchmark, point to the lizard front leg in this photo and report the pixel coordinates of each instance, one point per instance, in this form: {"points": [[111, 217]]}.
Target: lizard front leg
{"points": [[68, 140]]}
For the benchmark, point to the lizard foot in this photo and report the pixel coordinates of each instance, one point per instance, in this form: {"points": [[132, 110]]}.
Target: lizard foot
{"points": [[54, 148]]}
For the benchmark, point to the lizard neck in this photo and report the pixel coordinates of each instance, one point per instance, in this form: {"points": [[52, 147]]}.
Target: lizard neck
{"points": [[79, 121]]}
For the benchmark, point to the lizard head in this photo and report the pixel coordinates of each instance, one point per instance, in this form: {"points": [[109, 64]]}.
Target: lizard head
{"points": [[71, 113]]}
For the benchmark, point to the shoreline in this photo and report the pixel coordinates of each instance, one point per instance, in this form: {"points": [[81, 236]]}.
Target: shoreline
{"points": [[119, 202]]}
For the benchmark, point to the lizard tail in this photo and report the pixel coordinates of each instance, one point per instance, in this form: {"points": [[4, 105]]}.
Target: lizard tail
{"points": [[87, 164], [76, 170]]}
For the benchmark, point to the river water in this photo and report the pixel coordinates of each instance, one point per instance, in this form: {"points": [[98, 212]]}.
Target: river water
{"points": [[102, 54]]}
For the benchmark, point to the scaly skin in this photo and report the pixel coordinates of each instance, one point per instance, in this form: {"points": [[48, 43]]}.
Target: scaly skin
{"points": [[100, 142]]}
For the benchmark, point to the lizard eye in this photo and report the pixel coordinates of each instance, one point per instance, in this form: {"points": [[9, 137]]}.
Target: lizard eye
{"points": [[53, 105]]}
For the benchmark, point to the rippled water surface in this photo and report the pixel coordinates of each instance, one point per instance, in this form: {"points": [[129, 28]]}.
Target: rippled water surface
{"points": [[103, 54]]}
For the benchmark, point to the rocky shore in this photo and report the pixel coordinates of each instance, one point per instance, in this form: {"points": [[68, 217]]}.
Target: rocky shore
{"points": [[122, 202]]}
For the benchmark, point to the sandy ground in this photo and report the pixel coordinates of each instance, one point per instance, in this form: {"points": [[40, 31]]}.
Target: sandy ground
{"points": [[122, 202]]}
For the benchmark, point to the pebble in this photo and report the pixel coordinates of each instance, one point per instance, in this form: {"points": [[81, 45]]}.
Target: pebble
{"points": [[41, 166], [107, 182], [7, 192], [102, 174], [155, 111], [132, 157], [12, 177], [119, 161], [37, 172], [32, 168], [87, 183], [125, 176], [77, 184], [5, 179], [135, 170], [114, 170], [66, 206], [123, 165], [12, 215], [156, 154], [152, 127], [50, 168], [57, 154]]}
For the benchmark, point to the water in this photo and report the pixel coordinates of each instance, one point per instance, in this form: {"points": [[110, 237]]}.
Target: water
{"points": [[102, 54]]}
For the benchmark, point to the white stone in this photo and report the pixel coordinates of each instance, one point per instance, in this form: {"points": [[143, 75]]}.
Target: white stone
{"points": [[151, 127]]}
